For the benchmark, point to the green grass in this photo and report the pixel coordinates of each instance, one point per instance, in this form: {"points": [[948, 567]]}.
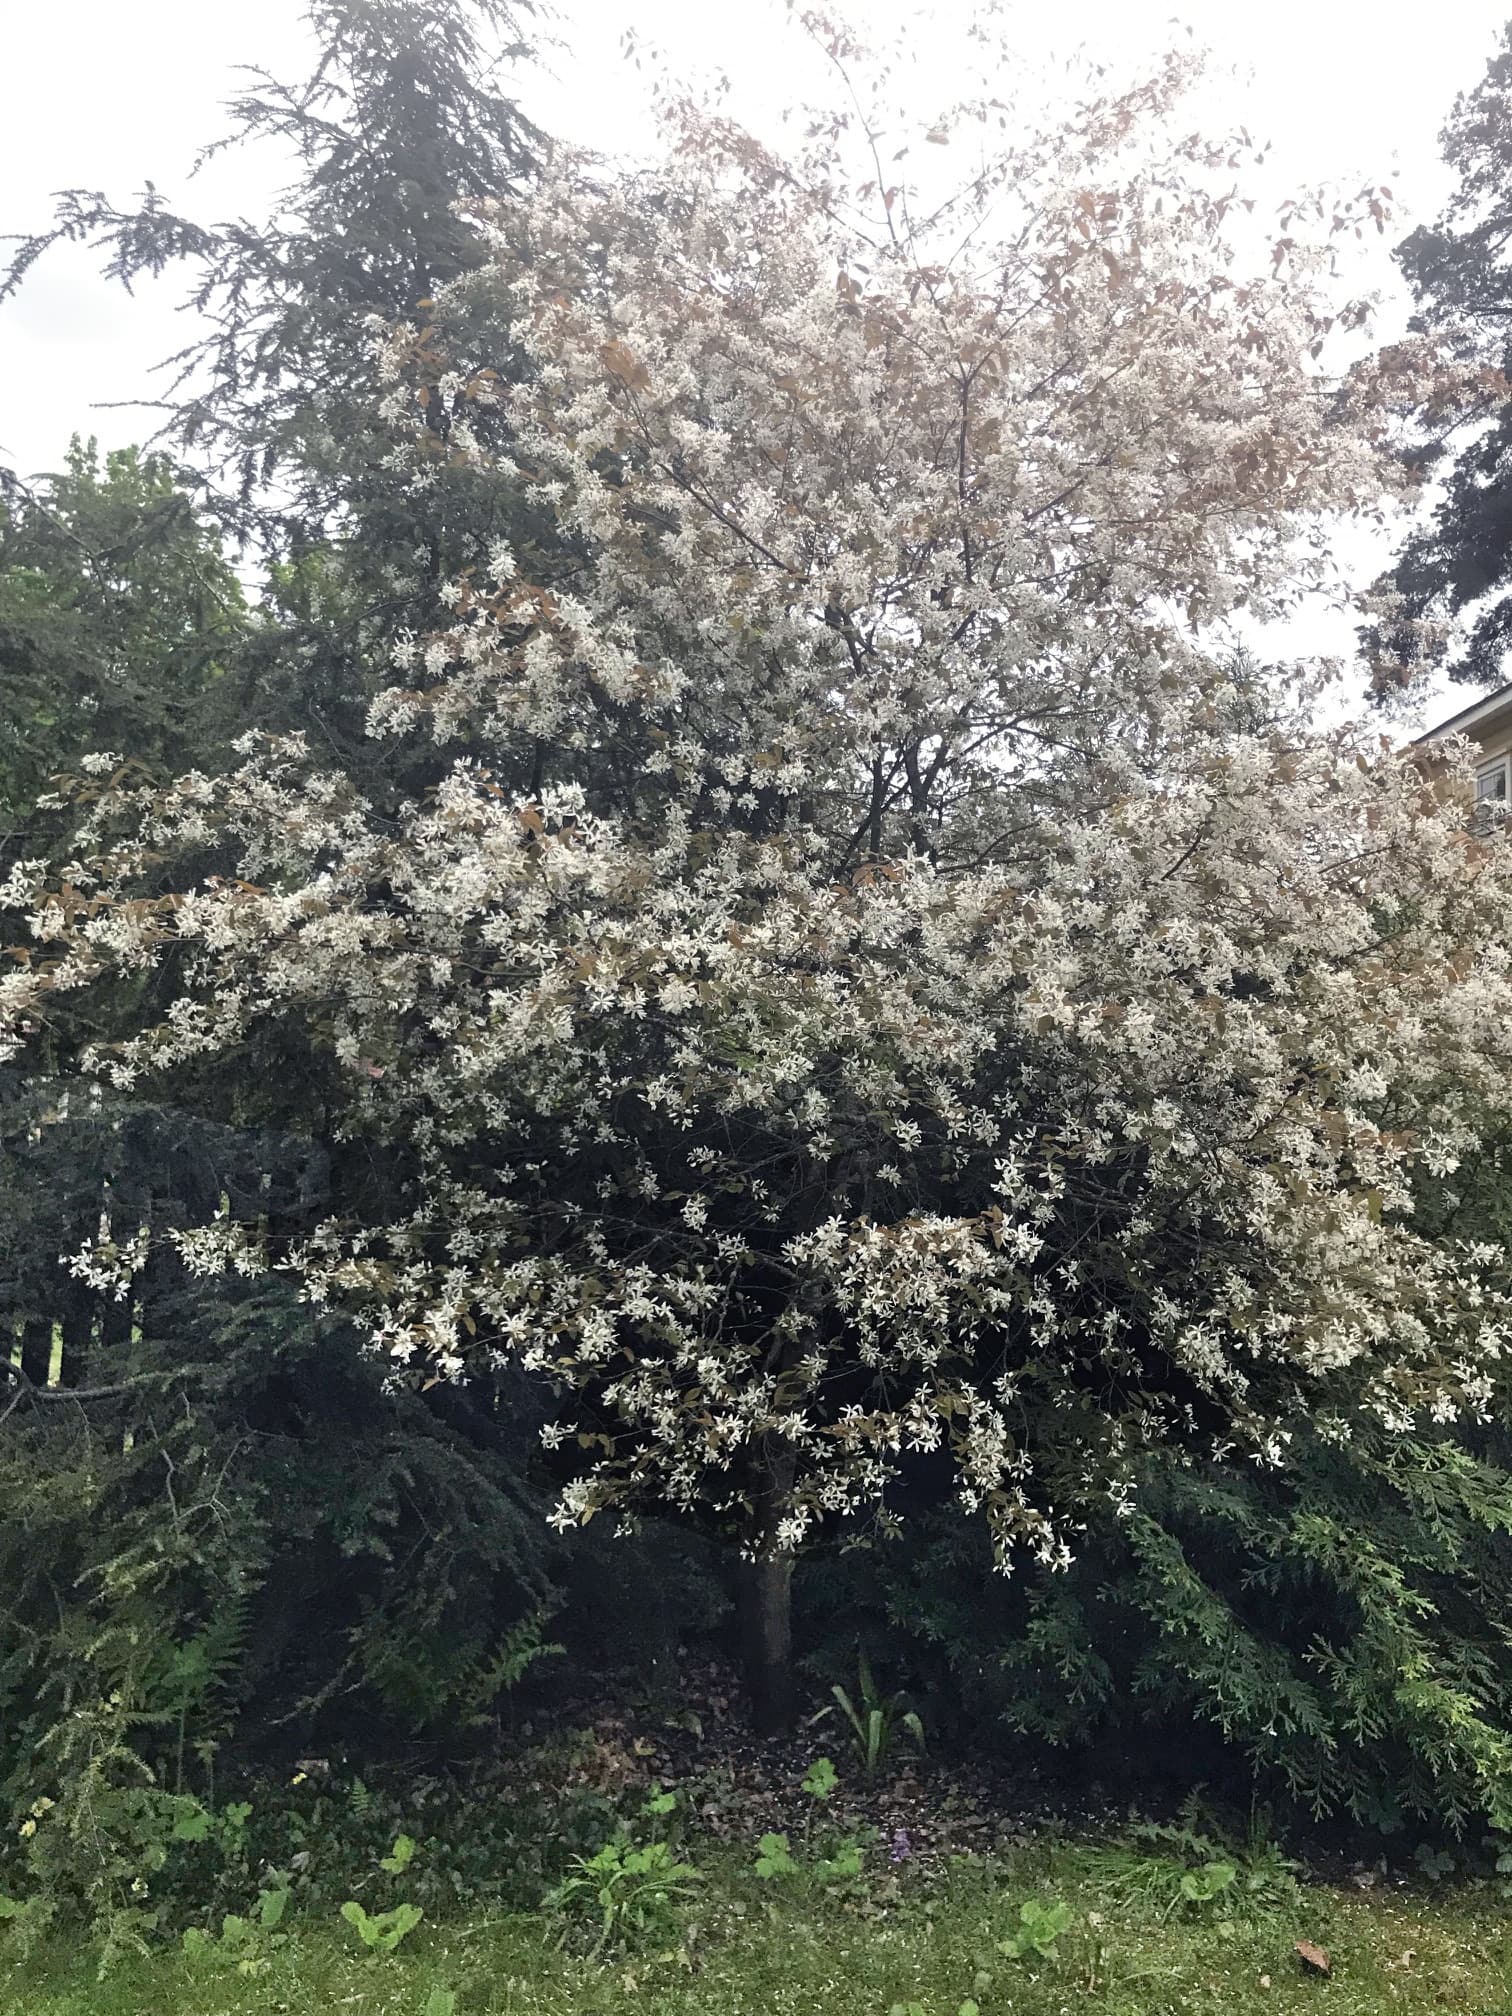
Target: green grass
{"points": [[1447, 1951]]}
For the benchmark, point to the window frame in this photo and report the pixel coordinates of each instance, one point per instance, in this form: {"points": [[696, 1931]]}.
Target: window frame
{"points": [[1498, 766]]}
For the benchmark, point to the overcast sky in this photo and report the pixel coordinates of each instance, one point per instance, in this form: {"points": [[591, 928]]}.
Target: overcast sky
{"points": [[104, 94]]}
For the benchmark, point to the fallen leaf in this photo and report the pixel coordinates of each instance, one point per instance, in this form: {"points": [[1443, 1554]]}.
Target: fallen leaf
{"points": [[1313, 1958]]}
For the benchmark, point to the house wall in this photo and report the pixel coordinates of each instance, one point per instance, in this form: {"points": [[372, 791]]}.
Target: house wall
{"points": [[1495, 741], [1492, 740]]}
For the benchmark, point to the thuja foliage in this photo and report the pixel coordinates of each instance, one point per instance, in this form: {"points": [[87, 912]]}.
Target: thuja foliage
{"points": [[119, 613], [1328, 1636]]}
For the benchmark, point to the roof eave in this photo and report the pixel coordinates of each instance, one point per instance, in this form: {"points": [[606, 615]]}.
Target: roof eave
{"points": [[1469, 717]]}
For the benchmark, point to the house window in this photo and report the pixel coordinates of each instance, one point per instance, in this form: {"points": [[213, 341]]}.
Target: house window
{"points": [[1493, 782]]}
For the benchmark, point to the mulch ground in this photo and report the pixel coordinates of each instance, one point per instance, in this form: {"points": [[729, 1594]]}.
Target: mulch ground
{"points": [[738, 1786]]}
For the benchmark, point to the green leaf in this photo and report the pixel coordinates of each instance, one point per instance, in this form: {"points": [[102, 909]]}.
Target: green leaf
{"points": [[359, 1921], [1200, 1886], [1040, 1925], [874, 1738], [847, 1709], [392, 1926], [820, 1779], [774, 1857]]}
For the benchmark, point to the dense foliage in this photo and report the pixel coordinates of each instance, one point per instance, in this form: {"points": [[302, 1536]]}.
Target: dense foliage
{"points": [[217, 1521], [1446, 600], [726, 938], [118, 615]]}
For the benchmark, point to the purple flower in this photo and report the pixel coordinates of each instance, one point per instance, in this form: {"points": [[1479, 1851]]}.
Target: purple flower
{"points": [[902, 1847]]}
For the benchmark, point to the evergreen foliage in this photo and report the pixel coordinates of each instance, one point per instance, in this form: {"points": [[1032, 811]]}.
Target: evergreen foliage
{"points": [[1447, 597], [399, 122], [215, 1520], [219, 1525], [398, 134], [118, 616], [1330, 1636]]}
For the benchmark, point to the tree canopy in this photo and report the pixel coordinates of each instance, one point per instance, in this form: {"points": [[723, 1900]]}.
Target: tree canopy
{"points": [[707, 934], [866, 988]]}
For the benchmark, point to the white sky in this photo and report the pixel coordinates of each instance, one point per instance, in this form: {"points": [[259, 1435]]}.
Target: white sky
{"points": [[1345, 91]]}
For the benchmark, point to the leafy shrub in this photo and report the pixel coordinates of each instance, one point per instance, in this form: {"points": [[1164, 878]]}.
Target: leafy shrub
{"points": [[874, 1719], [381, 1931], [775, 1858], [1038, 1930], [820, 1779], [836, 1866], [248, 1534], [1325, 1636], [245, 1944], [632, 1889], [628, 1893], [1190, 1863]]}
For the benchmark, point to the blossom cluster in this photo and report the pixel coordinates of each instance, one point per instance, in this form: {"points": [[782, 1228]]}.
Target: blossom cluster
{"points": [[875, 986]]}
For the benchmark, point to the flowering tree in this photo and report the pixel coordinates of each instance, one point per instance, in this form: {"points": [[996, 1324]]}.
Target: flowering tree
{"points": [[872, 987]]}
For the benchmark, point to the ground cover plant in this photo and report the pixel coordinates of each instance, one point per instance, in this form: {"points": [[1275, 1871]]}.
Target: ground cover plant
{"points": [[957, 1943]]}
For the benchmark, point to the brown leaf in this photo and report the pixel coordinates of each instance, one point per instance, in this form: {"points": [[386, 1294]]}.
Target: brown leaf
{"points": [[623, 364], [1313, 1958]]}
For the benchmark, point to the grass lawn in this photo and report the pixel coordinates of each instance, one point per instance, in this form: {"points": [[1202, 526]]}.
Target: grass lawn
{"points": [[749, 1952]]}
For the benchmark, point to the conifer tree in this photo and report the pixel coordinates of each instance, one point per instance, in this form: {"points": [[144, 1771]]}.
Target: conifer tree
{"points": [[123, 625], [1448, 598]]}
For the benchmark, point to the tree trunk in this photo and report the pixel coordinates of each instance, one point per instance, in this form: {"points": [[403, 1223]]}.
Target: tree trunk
{"points": [[78, 1335], [36, 1349], [767, 1593], [768, 1602]]}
